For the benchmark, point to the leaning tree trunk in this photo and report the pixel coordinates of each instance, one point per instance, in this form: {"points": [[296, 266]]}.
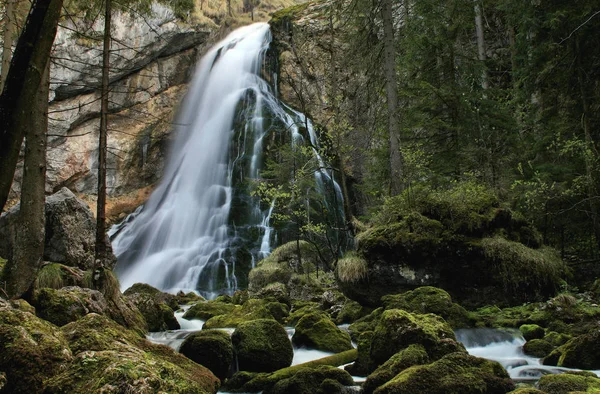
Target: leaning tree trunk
{"points": [[101, 247], [391, 86], [10, 29], [22, 83], [29, 238]]}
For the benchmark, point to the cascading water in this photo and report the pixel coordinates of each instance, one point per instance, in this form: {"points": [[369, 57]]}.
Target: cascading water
{"points": [[201, 227]]}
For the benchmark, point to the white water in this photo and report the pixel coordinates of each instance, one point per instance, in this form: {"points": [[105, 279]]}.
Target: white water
{"points": [[506, 347], [185, 237]]}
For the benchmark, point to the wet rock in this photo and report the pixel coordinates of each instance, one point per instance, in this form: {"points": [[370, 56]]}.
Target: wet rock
{"points": [[204, 310], [406, 358], [538, 348], [532, 331], [210, 348], [316, 330], [582, 352], [252, 309], [319, 380], [262, 346], [569, 382]]}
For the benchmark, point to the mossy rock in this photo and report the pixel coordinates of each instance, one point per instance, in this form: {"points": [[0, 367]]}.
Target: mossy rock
{"points": [[274, 292], [526, 390], [456, 373], [268, 273], [532, 331], [22, 305], [569, 382], [428, 299], [319, 380], [301, 308], [317, 331], [262, 346], [252, 309], [351, 311], [156, 307], [56, 276], [204, 310], [211, 348], [239, 297], [398, 329], [112, 359], [582, 352], [305, 288], [556, 339], [182, 298], [225, 298], [538, 348], [31, 350], [365, 323], [406, 358]]}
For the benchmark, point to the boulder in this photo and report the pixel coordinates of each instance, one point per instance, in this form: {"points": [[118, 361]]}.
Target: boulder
{"points": [[569, 382], [454, 373], [70, 231], [31, 350], [69, 304], [582, 352], [109, 358], [319, 380], [398, 329], [428, 299], [350, 312], [316, 330], [252, 309], [406, 358], [204, 310], [211, 348], [538, 348], [262, 346], [532, 331], [156, 306]]}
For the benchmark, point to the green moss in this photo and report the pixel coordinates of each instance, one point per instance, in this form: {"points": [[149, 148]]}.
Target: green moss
{"points": [[532, 331], [275, 292], [316, 330], [156, 307], [398, 329], [211, 348], [187, 298], [526, 390], [31, 350], [239, 297], [351, 311], [288, 14], [224, 298], [301, 308], [50, 275], [412, 355], [568, 382], [539, 271], [318, 380], [556, 339], [352, 268], [361, 367], [456, 373], [538, 348], [429, 299], [364, 324], [262, 346], [267, 273], [251, 310], [582, 352], [68, 304], [204, 310]]}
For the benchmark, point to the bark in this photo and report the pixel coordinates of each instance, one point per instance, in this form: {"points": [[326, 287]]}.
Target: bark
{"points": [[396, 161], [10, 29], [22, 83], [29, 240], [101, 247], [485, 84]]}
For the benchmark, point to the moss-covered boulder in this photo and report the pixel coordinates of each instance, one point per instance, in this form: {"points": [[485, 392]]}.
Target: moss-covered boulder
{"points": [[365, 323], [69, 304], [156, 307], [262, 346], [581, 352], [301, 308], [526, 390], [277, 292], [31, 350], [204, 310], [568, 383], [398, 329], [252, 309], [351, 311], [556, 339], [406, 358], [538, 348], [428, 299], [317, 331], [182, 298], [532, 331], [319, 380], [112, 359], [211, 348], [454, 373]]}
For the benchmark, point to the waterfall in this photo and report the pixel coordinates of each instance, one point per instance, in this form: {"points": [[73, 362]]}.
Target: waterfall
{"points": [[201, 230]]}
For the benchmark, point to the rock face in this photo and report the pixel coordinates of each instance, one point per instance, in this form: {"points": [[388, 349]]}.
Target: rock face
{"points": [[262, 346], [70, 231]]}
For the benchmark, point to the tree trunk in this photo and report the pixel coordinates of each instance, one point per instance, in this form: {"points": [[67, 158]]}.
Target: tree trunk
{"points": [[391, 86], [10, 29], [29, 241], [101, 247], [22, 83], [485, 84]]}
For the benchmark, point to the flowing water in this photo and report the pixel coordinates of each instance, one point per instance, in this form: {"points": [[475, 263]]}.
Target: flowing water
{"points": [[202, 229]]}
